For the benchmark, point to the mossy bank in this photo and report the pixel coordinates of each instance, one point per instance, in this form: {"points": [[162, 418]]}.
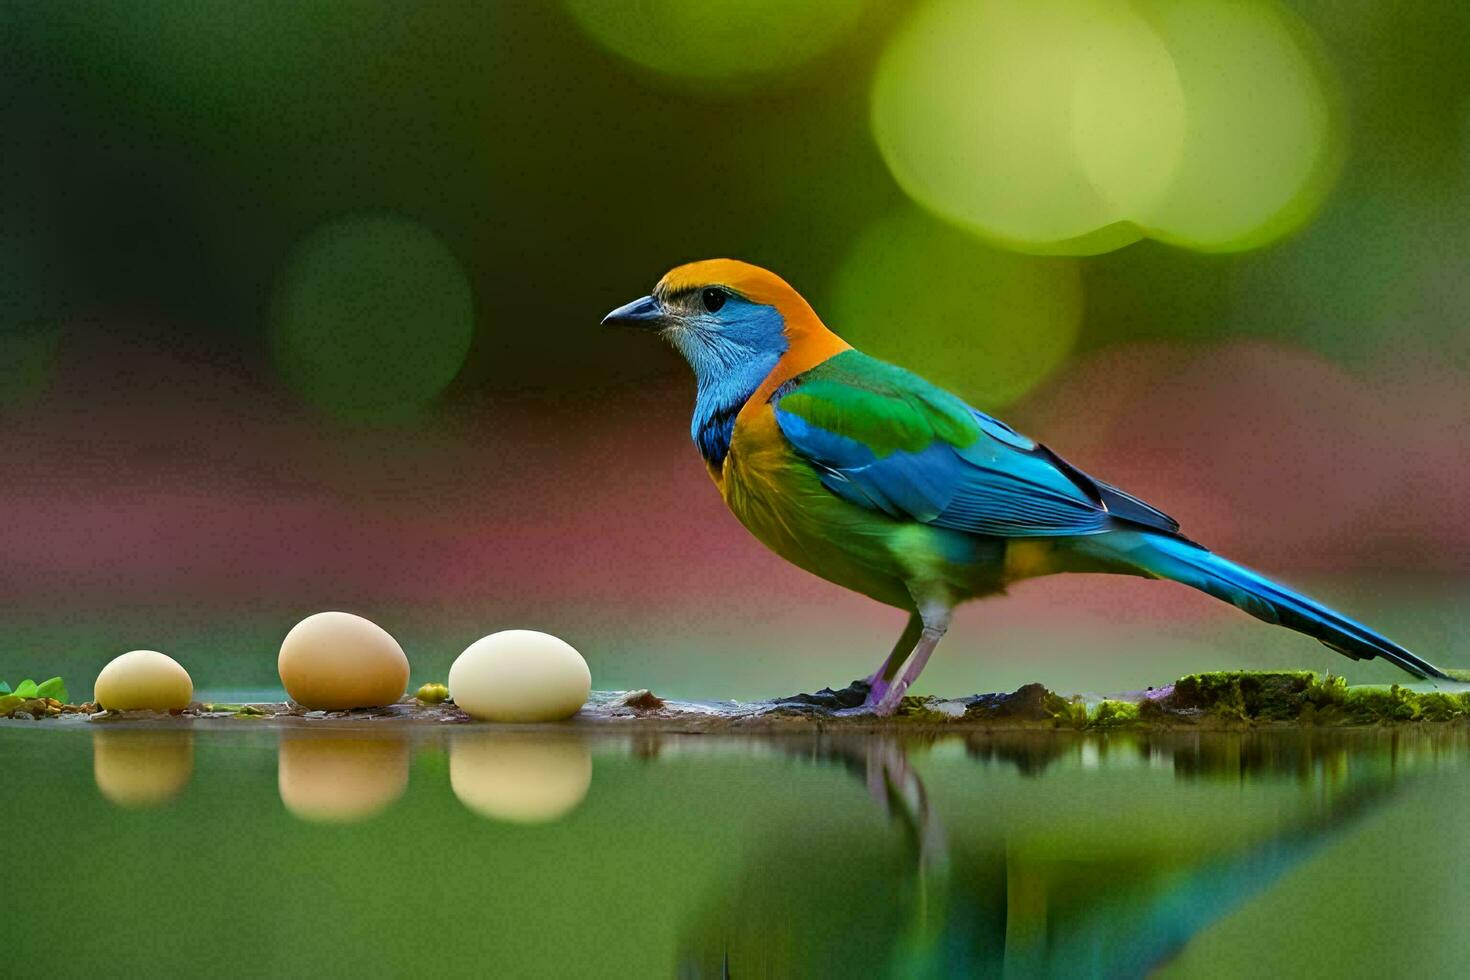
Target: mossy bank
{"points": [[1219, 700], [1216, 701]]}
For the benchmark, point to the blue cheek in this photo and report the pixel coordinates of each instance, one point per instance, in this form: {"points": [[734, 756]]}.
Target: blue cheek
{"points": [[757, 329], [746, 342]]}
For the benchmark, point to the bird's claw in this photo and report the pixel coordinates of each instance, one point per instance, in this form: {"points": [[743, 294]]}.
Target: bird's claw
{"points": [[853, 696]]}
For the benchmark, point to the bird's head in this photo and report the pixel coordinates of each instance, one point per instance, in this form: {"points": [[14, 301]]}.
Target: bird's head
{"points": [[726, 317]]}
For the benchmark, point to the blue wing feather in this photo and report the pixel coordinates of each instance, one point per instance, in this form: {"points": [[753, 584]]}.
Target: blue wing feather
{"points": [[999, 483]]}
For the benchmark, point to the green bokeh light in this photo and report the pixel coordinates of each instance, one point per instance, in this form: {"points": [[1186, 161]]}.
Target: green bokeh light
{"points": [[1128, 115], [971, 110], [27, 354], [1079, 126], [245, 63], [373, 317], [986, 324], [716, 42], [1265, 143]]}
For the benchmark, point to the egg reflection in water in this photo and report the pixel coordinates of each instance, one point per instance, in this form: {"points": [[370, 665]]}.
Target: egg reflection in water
{"points": [[341, 777], [520, 778], [142, 769]]}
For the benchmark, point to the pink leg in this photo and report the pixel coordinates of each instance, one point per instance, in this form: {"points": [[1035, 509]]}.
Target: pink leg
{"points": [[882, 678], [935, 624]]}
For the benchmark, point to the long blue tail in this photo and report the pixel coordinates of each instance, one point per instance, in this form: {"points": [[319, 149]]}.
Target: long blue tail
{"points": [[1164, 556]]}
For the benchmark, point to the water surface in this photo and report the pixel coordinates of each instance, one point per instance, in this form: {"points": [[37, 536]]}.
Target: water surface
{"points": [[461, 851]]}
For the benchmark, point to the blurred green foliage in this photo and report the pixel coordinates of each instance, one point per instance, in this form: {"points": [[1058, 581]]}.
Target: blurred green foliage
{"points": [[713, 43], [168, 157], [27, 351], [373, 317], [986, 323], [347, 258], [1079, 126]]}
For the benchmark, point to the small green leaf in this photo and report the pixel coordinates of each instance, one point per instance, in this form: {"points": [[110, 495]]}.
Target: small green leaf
{"points": [[26, 689], [54, 688], [4, 688]]}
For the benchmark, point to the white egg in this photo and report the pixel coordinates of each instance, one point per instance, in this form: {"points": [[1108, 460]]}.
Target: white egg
{"points": [[335, 661], [520, 675], [517, 778], [143, 680]]}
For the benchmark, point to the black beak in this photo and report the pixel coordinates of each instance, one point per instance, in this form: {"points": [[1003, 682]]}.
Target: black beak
{"points": [[643, 313]]}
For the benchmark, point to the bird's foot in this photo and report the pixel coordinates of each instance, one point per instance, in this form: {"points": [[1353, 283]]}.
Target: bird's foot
{"points": [[883, 707], [868, 697], [885, 703], [855, 695], [883, 700]]}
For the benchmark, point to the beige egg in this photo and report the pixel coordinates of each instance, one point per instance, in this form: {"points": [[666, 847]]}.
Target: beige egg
{"points": [[143, 680], [518, 778], [142, 769], [329, 778], [335, 660], [520, 675]]}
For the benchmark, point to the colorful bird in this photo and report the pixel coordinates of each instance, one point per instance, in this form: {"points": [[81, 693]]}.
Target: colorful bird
{"points": [[871, 477]]}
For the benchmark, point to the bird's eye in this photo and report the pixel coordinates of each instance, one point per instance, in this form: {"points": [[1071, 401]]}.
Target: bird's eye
{"points": [[713, 299]]}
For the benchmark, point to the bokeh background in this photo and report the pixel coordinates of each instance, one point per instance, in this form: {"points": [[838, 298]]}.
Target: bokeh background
{"points": [[300, 311]]}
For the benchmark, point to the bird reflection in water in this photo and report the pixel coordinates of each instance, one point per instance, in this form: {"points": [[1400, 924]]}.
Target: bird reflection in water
{"points": [[1071, 880]]}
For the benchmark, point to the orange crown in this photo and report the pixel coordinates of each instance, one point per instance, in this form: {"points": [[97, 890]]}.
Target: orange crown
{"points": [[810, 342]]}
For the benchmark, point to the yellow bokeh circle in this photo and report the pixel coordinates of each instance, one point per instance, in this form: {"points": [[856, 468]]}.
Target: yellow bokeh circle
{"points": [[1080, 126], [715, 42]]}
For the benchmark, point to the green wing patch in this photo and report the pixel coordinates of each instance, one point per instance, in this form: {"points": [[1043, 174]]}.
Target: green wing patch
{"points": [[885, 408]]}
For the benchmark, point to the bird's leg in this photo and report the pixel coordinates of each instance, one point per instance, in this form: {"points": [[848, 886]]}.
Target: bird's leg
{"points": [[935, 619], [882, 678], [894, 784]]}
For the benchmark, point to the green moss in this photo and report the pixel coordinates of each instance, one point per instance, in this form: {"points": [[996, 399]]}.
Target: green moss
{"points": [[1244, 695], [1115, 714], [1302, 698], [1437, 706], [238, 710], [1374, 704], [1031, 703], [1218, 699], [1332, 701], [1066, 712]]}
